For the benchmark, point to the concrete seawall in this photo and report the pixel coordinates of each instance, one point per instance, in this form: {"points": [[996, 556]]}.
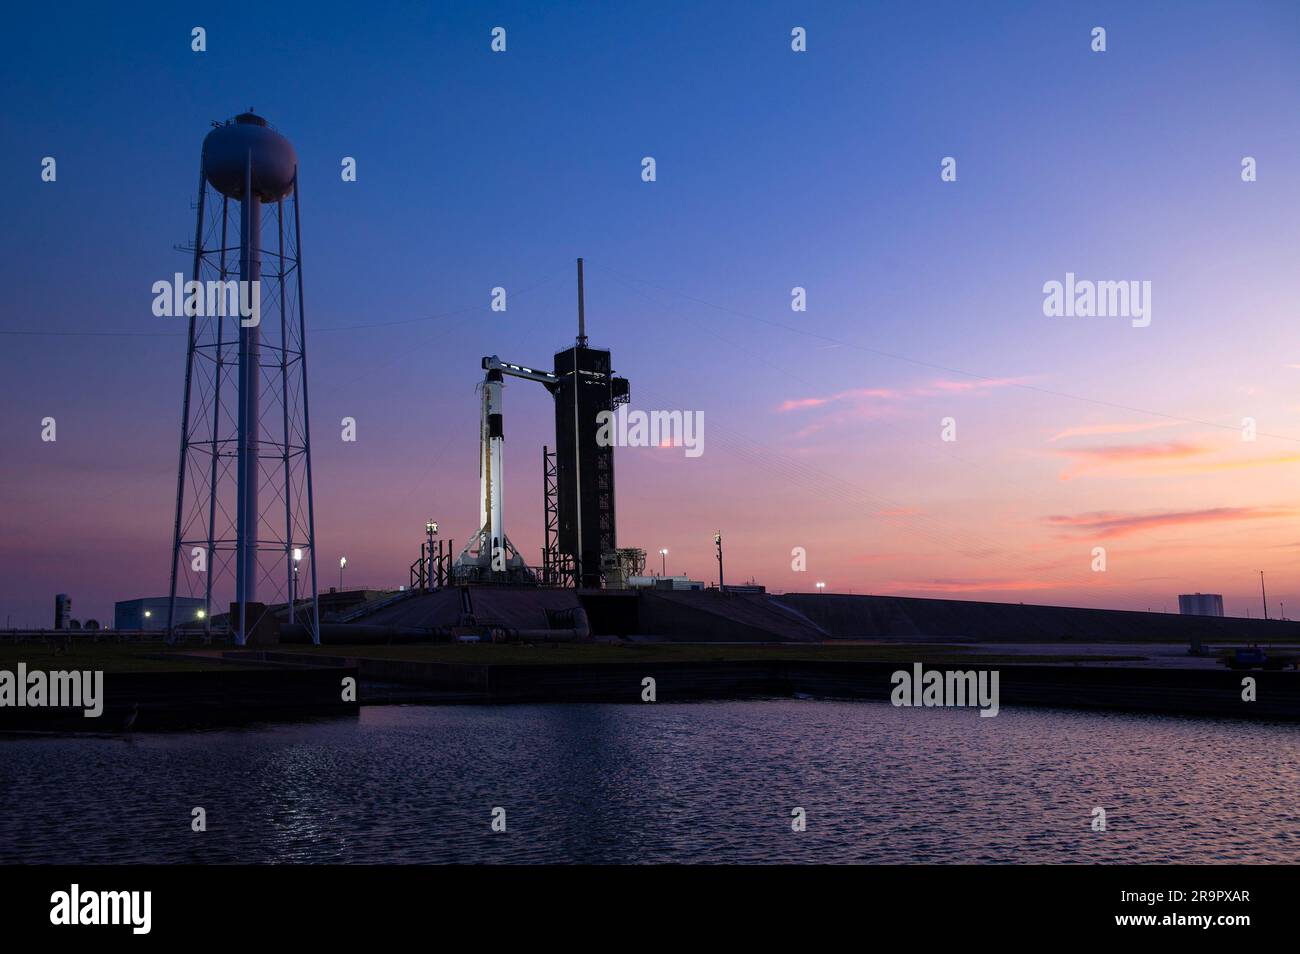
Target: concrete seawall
{"points": [[181, 700]]}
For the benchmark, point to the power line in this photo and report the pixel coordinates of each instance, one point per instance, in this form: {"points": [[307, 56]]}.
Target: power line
{"points": [[365, 326]]}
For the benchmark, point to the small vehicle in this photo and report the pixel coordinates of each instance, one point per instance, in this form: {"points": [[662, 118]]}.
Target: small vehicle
{"points": [[1254, 657]]}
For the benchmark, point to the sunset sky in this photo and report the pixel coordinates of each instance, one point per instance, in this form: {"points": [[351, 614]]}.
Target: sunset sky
{"points": [[775, 169]]}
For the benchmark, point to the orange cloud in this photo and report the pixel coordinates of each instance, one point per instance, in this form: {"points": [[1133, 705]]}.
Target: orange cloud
{"points": [[1091, 458], [1215, 466]]}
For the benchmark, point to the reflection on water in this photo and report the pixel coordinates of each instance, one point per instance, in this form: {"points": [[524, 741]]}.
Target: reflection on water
{"points": [[686, 783]]}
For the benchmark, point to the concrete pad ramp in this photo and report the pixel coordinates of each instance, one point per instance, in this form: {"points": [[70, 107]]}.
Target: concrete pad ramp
{"points": [[710, 616], [512, 607]]}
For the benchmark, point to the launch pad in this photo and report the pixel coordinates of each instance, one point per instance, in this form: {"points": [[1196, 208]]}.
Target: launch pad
{"points": [[581, 543]]}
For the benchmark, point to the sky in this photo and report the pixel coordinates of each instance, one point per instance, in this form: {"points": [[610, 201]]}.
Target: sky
{"points": [[823, 429]]}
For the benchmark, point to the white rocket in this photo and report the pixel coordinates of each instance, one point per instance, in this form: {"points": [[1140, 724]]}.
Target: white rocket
{"points": [[489, 552], [491, 476]]}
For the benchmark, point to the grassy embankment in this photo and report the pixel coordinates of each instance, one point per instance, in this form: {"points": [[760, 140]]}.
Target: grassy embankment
{"points": [[108, 656], [559, 653], [114, 656]]}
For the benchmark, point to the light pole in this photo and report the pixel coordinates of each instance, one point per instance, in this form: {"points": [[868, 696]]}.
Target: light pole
{"points": [[293, 603], [717, 539], [343, 561], [663, 562]]}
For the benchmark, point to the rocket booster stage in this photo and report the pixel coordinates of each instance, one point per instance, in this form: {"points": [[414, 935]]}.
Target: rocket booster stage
{"points": [[489, 554], [491, 477]]}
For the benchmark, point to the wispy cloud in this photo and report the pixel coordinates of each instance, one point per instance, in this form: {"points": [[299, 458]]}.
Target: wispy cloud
{"points": [[970, 586], [1210, 467], [1130, 452], [870, 559], [1165, 458], [1097, 430], [1092, 458], [969, 385], [1110, 524], [933, 389], [855, 395]]}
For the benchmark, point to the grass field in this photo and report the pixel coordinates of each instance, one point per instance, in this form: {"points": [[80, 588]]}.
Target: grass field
{"points": [[106, 655], [557, 653], [154, 656]]}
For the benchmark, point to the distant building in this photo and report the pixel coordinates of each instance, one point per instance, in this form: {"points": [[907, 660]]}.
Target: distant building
{"points": [[1200, 604], [151, 612], [663, 583], [62, 611], [677, 583]]}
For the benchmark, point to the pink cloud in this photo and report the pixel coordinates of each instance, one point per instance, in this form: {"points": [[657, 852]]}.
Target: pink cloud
{"points": [[870, 559], [1109, 524], [933, 389], [973, 384], [1126, 452], [857, 394], [1169, 454], [970, 586], [1093, 430]]}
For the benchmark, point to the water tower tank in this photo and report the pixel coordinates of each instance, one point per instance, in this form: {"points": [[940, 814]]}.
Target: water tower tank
{"points": [[226, 151]]}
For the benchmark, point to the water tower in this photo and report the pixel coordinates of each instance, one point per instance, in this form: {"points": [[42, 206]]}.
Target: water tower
{"points": [[243, 491]]}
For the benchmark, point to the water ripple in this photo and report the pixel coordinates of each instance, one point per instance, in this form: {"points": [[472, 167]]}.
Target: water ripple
{"points": [[711, 782]]}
